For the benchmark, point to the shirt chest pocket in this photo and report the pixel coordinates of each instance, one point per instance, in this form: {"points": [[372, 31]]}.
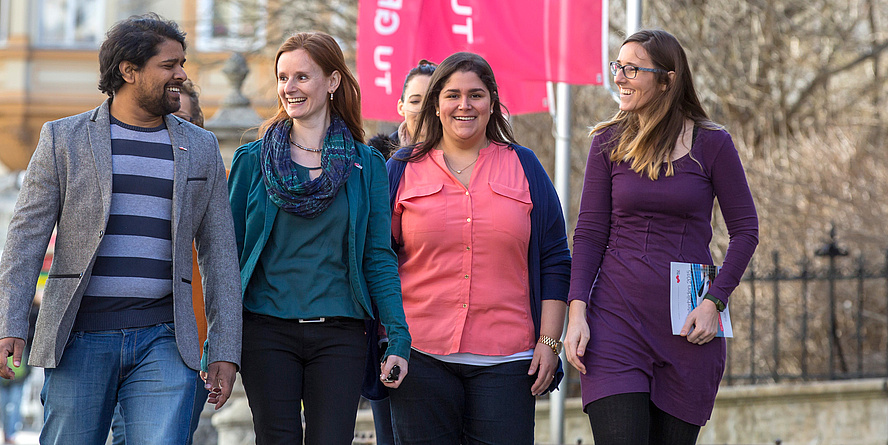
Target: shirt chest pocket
{"points": [[510, 209], [424, 209]]}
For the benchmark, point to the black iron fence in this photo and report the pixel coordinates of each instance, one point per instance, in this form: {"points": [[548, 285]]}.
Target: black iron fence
{"points": [[815, 318], [825, 320]]}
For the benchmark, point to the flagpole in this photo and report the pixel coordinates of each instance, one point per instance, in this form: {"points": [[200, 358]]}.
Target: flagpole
{"points": [[633, 16], [562, 117], [562, 187]]}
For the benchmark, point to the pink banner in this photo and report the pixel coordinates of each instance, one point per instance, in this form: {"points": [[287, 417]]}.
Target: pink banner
{"points": [[526, 43]]}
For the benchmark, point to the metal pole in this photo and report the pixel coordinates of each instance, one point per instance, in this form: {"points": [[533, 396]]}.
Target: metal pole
{"points": [[562, 146], [804, 334], [562, 187], [775, 373], [633, 16], [832, 250], [832, 317], [861, 275], [562, 118], [752, 278]]}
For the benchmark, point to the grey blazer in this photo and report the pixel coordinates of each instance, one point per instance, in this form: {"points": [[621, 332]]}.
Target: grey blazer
{"points": [[68, 185]]}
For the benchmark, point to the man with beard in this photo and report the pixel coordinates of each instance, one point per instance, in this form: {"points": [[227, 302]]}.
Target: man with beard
{"points": [[128, 187]]}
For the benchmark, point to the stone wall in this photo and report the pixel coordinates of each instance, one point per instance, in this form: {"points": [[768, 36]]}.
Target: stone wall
{"points": [[853, 412]]}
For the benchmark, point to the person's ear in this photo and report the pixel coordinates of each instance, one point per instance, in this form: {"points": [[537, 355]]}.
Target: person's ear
{"points": [[335, 79], [401, 107], [670, 78], [128, 71]]}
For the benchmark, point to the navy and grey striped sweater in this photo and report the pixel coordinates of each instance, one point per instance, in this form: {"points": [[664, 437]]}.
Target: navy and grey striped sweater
{"points": [[131, 283]]}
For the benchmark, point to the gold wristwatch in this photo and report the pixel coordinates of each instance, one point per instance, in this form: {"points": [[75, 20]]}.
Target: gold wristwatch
{"points": [[550, 342]]}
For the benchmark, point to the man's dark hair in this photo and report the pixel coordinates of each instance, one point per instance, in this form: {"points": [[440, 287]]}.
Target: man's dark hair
{"points": [[134, 40]]}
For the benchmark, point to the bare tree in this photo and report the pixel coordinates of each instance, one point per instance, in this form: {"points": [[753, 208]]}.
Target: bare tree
{"points": [[773, 68], [283, 18]]}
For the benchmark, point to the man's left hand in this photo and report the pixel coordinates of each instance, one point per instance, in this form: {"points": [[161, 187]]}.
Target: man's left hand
{"points": [[219, 381]]}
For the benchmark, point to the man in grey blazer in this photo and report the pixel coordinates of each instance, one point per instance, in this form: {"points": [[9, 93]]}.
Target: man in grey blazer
{"points": [[127, 187]]}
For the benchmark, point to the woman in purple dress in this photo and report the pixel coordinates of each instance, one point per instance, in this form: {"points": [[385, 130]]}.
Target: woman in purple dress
{"points": [[653, 172]]}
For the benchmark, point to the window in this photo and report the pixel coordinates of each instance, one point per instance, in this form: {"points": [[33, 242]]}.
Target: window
{"points": [[4, 22], [71, 23], [231, 25]]}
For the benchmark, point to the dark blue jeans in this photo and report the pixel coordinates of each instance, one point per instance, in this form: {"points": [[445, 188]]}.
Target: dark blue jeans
{"points": [[450, 404], [382, 421], [285, 363]]}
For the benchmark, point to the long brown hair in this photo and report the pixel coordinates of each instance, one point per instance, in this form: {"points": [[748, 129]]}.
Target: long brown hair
{"points": [[647, 145], [324, 51], [498, 128]]}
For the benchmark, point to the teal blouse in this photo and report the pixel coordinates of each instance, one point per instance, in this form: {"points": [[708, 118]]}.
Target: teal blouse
{"points": [[302, 271], [372, 265]]}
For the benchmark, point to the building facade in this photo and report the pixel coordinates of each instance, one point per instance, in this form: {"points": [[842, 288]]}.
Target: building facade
{"points": [[49, 58]]}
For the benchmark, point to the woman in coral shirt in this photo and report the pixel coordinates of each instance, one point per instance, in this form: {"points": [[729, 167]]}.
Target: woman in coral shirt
{"points": [[484, 266]]}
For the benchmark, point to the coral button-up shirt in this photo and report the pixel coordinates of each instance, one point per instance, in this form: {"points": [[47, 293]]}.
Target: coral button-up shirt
{"points": [[463, 255]]}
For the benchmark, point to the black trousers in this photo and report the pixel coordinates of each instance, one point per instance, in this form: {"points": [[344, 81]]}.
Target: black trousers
{"points": [[320, 366], [632, 419], [443, 403]]}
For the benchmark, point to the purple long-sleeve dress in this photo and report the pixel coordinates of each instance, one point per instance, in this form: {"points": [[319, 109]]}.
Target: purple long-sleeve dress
{"points": [[630, 228]]}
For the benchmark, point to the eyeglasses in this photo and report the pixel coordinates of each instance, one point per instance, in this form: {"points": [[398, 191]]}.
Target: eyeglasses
{"points": [[631, 71]]}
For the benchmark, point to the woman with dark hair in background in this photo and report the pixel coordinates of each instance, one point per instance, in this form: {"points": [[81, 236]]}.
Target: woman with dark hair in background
{"points": [[651, 177], [415, 86], [484, 267], [312, 226]]}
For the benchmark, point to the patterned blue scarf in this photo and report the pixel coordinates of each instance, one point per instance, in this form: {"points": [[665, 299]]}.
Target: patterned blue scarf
{"points": [[306, 199]]}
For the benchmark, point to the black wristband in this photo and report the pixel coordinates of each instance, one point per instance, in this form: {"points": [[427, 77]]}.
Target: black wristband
{"points": [[718, 303]]}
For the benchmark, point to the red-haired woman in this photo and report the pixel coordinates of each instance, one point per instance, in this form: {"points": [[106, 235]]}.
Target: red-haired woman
{"points": [[312, 224]]}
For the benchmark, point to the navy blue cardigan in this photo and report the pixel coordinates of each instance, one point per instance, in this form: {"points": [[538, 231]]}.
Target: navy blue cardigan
{"points": [[548, 257]]}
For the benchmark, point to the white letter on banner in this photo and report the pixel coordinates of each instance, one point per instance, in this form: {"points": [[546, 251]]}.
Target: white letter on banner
{"points": [[465, 30], [386, 80], [386, 22], [459, 9], [391, 4]]}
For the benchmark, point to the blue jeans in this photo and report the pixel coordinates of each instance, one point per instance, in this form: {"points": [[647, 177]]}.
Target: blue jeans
{"points": [[140, 368], [118, 429], [11, 406], [451, 404]]}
